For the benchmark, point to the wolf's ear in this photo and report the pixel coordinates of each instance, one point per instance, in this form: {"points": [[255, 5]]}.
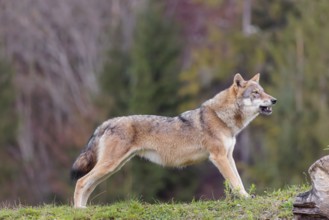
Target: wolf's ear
{"points": [[256, 78], [238, 80]]}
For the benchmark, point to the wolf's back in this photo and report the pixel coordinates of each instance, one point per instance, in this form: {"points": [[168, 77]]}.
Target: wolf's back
{"points": [[86, 160]]}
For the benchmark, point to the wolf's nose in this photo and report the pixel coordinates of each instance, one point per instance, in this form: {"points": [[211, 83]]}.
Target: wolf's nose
{"points": [[273, 101]]}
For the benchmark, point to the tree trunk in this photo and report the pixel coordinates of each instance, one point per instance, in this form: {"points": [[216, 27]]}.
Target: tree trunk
{"points": [[314, 204]]}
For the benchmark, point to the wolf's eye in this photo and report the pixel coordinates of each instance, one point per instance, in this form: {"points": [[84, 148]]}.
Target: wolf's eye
{"points": [[255, 92]]}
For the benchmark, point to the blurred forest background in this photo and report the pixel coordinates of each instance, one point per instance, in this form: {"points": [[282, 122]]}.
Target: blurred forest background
{"points": [[67, 65]]}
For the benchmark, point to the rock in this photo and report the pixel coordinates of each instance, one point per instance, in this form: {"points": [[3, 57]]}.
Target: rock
{"points": [[314, 204]]}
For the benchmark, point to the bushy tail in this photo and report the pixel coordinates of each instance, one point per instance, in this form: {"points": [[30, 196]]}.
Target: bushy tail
{"points": [[86, 160]]}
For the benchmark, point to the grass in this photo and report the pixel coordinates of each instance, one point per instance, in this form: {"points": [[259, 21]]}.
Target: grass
{"points": [[272, 205]]}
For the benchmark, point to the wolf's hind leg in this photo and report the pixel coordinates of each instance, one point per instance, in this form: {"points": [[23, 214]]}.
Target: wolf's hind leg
{"points": [[102, 170]]}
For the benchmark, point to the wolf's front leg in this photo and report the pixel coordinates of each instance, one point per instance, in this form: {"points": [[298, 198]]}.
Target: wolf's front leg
{"points": [[233, 165], [228, 171]]}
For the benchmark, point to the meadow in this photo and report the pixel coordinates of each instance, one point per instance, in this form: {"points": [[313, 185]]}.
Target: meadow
{"points": [[269, 205]]}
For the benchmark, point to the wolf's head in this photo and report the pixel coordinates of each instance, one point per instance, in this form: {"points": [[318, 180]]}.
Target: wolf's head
{"points": [[251, 96]]}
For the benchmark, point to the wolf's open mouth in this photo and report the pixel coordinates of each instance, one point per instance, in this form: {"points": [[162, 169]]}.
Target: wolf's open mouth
{"points": [[265, 110]]}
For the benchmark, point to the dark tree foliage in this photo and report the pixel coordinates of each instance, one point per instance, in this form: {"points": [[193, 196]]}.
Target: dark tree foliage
{"points": [[155, 63], [8, 128], [8, 120]]}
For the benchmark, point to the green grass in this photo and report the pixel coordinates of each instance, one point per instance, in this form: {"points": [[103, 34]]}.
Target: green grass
{"points": [[270, 205]]}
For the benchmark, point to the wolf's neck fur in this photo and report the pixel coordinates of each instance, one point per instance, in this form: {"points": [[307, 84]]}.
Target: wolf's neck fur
{"points": [[228, 110]]}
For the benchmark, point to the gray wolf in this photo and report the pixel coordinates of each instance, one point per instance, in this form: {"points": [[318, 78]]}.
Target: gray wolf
{"points": [[208, 132]]}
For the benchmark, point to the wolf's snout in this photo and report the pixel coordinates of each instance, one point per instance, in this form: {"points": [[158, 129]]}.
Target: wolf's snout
{"points": [[273, 101]]}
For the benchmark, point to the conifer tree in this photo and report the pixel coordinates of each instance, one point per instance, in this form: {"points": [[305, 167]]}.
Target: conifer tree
{"points": [[8, 121], [8, 124], [154, 63], [114, 79]]}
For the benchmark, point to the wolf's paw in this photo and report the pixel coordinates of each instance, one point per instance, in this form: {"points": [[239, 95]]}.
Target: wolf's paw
{"points": [[245, 195]]}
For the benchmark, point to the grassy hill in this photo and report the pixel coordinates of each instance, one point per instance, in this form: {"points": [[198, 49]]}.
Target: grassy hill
{"points": [[269, 205]]}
